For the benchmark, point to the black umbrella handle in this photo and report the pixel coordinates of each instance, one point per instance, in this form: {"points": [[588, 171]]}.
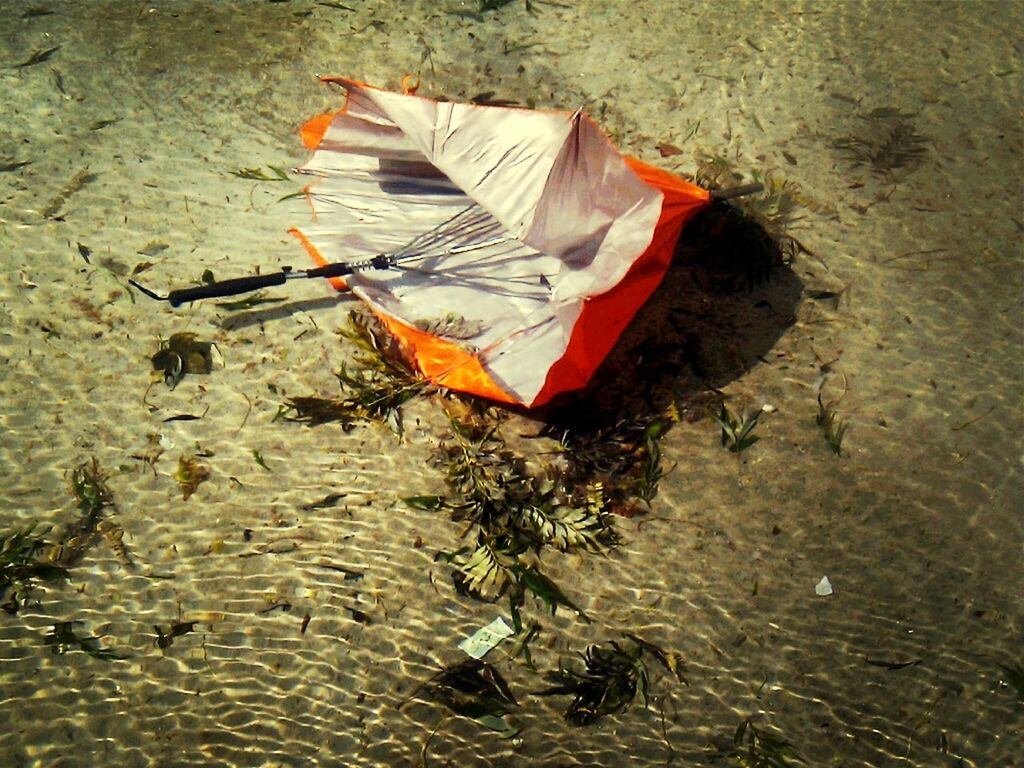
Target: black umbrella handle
{"points": [[239, 285], [226, 288]]}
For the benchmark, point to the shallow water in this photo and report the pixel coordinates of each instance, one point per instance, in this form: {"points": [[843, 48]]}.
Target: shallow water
{"points": [[917, 525]]}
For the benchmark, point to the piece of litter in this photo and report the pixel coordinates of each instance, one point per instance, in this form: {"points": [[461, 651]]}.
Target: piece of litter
{"points": [[480, 643], [824, 587]]}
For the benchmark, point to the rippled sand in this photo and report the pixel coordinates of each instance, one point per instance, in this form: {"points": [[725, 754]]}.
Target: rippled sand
{"points": [[917, 525]]}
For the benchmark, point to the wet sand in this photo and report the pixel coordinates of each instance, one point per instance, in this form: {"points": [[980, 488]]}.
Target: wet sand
{"points": [[132, 129]]}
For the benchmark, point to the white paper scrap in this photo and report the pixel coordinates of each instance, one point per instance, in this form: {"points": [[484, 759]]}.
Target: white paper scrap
{"points": [[484, 639], [824, 587]]}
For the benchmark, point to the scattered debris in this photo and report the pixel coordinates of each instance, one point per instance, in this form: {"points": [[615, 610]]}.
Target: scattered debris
{"points": [[485, 639], [63, 639], [165, 639], [182, 354]]}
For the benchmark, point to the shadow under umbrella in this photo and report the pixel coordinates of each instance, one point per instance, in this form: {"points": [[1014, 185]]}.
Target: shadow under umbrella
{"points": [[727, 299]]}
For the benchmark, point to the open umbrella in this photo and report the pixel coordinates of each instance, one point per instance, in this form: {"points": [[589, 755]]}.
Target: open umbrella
{"points": [[506, 249]]}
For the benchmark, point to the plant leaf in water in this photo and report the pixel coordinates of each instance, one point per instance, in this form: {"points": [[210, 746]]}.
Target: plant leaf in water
{"points": [[90, 489], [255, 300], [487, 570], [736, 430], [22, 564], [190, 474], [318, 410], [426, 503], [375, 391], [567, 526], [256, 174], [755, 748], [7, 167], [544, 588], [832, 427], [259, 459], [607, 685], [37, 58], [164, 640], [889, 142], [63, 639], [473, 689], [669, 659]]}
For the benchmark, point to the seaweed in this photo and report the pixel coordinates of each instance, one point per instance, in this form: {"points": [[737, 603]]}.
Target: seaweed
{"points": [[755, 748], [624, 457], [78, 181], [89, 487], [260, 460], [23, 564], [473, 689], [833, 428], [888, 142], [254, 300], [256, 174], [37, 58], [375, 391], [164, 640], [63, 639], [737, 431], [190, 474], [13, 165], [608, 684], [315, 411]]}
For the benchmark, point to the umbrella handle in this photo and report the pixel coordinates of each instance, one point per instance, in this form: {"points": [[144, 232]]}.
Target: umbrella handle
{"points": [[225, 288], [731, 192], [238, 285]]}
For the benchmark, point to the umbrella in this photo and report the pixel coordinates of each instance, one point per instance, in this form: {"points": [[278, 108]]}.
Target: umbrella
{"points": [[506, 249]]}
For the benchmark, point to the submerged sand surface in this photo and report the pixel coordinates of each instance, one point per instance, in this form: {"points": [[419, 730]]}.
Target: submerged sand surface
{"points": [[132, 128]]}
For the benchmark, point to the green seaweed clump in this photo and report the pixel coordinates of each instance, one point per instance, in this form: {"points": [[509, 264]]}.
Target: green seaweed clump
{"points": [[476, 690], [375, 391], [63, 638], [93, 496], [610, 681], [90, 489], [737, 431], [832, 426], [755, 748], [888, 142], [514, 510], [23, 563], [190, 474], [624, 457]]}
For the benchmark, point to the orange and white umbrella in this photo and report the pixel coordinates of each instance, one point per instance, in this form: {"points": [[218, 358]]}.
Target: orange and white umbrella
{"points": [[512, 246]]}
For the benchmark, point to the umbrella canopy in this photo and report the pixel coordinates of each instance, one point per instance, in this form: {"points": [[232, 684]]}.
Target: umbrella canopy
{"points": [[522, 242]]}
